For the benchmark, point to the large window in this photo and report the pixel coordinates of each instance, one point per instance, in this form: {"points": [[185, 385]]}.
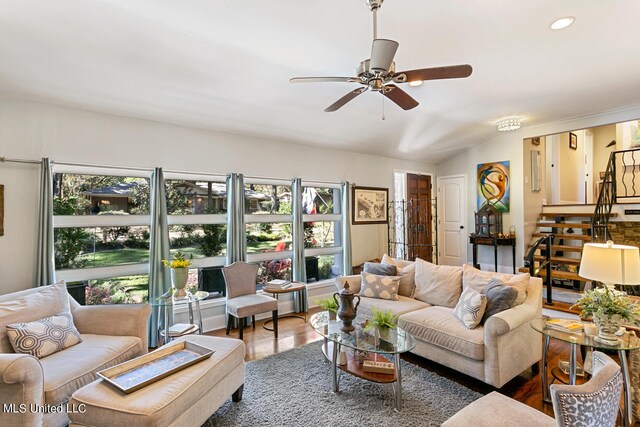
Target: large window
{"points": [[197, 207], [322, 231], [101, 232], [268, 226]]}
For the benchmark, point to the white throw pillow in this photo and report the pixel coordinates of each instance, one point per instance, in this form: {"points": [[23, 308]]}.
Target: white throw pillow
{"points": [[470, 308], [438, 284], [382, 287], [478, 280], [407, 274]]}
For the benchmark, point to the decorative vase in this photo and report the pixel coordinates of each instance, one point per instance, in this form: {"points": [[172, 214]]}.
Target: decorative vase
{"points": [[346, 309], [607, 327], [179, 278]]}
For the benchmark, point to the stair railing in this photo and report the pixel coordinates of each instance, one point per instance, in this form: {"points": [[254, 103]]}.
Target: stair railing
{"points": [[529, 261], [628, 177]]}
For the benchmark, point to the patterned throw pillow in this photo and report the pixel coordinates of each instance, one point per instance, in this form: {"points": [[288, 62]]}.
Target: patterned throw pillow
{"points": [[382, 287], [500, 297], [470, 308], [43, 337]]}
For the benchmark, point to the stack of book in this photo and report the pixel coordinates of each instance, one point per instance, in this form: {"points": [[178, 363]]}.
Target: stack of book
{"points": [[278, 284], [180, 329], [565, 325]]}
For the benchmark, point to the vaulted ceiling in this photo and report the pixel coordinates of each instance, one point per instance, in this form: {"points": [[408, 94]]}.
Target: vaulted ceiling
{"points": [[225, 65]]}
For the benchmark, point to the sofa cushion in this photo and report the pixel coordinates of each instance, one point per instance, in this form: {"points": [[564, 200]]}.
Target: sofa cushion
{"points": [[74, 367], [401, 306], [500, 297], [380, 269], [438, 284], [439, 326], [383, 287], [478, 280], [406, 271], [43, 337], [29, 306], [470, 308]]}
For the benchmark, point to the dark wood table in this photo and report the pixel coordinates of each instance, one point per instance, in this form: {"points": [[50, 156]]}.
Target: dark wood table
{"points": [[495, 242]]}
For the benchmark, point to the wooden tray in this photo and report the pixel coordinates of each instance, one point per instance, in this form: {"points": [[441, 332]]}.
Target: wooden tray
{"points": [[144, 370]]}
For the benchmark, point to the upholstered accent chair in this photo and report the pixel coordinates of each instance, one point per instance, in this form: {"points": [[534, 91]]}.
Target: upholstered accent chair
{"points": [[242, 299], [593, 404], [110, 334]]}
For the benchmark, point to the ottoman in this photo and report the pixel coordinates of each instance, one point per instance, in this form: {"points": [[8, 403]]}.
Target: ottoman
{"points": [[186, 398]]}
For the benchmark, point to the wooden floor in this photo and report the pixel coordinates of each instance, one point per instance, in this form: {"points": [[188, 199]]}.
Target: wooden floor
{"points": [[295, 333]]}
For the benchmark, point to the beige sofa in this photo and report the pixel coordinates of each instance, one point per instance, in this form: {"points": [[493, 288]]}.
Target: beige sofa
{"points": [[111, 334], [494, 352]]}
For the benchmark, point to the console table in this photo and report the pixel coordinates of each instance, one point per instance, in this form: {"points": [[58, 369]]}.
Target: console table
{"points": [[495, 242]]}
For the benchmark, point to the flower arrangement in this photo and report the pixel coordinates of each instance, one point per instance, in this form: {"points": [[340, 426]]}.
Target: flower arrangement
{"points": [[179, 261], [607, 302]]}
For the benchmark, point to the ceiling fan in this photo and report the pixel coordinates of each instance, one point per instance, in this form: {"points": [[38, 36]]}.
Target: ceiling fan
{"points": [[378, 73]]}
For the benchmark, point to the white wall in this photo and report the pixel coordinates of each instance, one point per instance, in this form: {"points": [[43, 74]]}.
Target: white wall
{"points": [[509, 146], [31, 130]]}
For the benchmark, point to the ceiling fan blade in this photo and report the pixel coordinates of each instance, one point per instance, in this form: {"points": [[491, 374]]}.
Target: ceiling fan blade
{"points": [[323, 79], [436, 73], [400, 97], [348, 97], [382, 53]]}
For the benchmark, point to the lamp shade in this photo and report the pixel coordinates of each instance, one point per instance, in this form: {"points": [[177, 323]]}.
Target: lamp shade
{"points": [[609, 263]]}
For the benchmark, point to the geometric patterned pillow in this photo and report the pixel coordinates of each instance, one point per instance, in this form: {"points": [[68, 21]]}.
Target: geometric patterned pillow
{"points": [[382, 287], [43, 337], [470, 308]]}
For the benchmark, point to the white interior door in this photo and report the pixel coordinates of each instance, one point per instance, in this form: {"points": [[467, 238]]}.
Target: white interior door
{"points": [[452, 213], [588, 166]]}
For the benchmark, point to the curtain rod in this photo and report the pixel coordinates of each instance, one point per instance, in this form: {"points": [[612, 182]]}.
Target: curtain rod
{"points": [[33, 162]]}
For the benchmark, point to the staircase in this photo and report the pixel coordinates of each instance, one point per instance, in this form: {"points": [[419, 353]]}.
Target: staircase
{"points": [[571, 227]]}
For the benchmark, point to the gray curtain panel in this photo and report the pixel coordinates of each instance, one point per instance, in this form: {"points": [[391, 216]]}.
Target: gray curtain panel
{"points": [[159, 275], [45, 264], [236, 234], [300, 300], [346, 230]]}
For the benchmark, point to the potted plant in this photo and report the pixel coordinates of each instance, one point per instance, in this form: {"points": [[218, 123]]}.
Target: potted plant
{"points": [[608, 308], [330, 305], [179, 273], [383, 321]]}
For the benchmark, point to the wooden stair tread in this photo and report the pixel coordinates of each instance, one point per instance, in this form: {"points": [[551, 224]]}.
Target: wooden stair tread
{"points": [[567, 275], [565, 236], [558, 259], [564, 225], [572, 214], [561, 248]]}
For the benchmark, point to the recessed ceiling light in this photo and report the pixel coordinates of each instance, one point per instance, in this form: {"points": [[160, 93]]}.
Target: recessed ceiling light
{"points": [[416, 83], [507, 125], [561, 23]]}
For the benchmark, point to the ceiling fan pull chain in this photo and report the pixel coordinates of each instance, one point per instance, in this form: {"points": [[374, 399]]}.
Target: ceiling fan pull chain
{"points": [[382, 108]]}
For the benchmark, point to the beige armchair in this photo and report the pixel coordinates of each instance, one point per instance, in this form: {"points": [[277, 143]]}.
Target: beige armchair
{"points": [[242, 300], [111, 334]]}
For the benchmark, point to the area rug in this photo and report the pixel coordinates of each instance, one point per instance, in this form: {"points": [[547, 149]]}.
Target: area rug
{"points": [[294, 389]]}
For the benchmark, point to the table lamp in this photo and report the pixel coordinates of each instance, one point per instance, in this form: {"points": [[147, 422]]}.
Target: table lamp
{"points": [[610, 264]]}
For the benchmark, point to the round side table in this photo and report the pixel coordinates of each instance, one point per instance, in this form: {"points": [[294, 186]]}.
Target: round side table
{"points": [[276, 292]]}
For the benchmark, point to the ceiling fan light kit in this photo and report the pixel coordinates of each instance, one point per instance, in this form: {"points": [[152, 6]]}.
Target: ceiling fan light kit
{"points": [[378, 72], [508, 125]]}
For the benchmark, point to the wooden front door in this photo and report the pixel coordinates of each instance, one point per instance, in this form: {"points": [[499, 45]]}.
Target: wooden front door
{"points": [[419, 230]]}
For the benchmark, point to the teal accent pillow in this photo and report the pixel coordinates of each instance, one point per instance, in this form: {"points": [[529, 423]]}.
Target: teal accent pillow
{"points": [[500, 297]]}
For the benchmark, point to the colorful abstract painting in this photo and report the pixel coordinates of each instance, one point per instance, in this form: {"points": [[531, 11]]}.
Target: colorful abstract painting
{"points": [[494, 186]]}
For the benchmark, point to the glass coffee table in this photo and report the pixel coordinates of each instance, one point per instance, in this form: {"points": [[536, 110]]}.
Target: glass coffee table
{"points": [[370, 343]]}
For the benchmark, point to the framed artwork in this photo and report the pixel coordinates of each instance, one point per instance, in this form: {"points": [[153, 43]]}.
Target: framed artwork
{"points": [[535, 140], [370, 205], [573, 141], [1, 210], [494, 185]]}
